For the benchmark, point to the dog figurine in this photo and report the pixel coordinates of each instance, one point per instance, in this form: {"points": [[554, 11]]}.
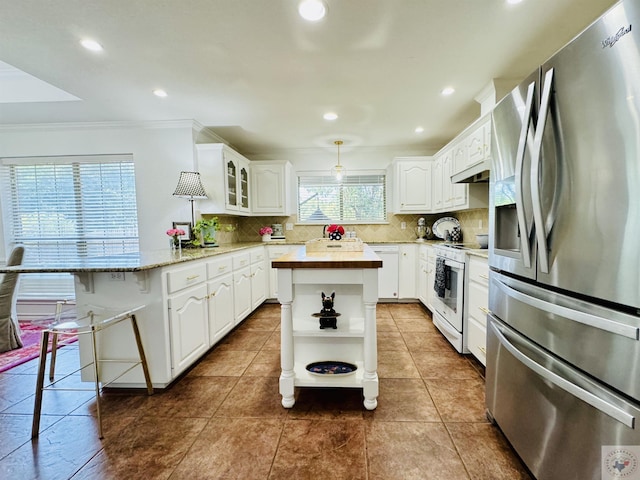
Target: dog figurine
{"points": [[328, 316]]}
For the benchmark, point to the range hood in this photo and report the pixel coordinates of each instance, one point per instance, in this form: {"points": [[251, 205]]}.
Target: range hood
{"points": [[476, 173]]}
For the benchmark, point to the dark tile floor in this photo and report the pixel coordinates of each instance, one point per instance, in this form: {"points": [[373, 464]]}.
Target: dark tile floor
{"points": [[223, 419]]}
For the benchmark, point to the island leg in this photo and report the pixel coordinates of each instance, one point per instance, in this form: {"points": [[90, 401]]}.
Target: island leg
{"points": [[370, 377], [287, 375]]}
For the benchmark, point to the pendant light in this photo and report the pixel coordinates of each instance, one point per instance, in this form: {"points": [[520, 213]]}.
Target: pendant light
{"points": [[338, 170]]}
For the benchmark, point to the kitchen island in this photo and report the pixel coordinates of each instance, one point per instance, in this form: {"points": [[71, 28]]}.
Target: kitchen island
{"points": [[303, 278]]}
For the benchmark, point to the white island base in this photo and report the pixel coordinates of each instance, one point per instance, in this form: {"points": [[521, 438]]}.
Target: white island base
{"points": [[303, 342]]}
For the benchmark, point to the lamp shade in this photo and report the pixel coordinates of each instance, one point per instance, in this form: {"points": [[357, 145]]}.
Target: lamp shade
{"points": [[190, 186]]}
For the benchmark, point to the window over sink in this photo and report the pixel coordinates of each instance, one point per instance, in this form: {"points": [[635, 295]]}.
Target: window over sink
{"points": [[356, 198]]}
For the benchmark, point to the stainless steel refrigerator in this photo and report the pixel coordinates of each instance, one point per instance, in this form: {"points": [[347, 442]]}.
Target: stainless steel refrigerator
{"points": [[563, 335]]}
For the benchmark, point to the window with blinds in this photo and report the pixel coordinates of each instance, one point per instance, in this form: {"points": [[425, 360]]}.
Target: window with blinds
{"points": [[357, 198], [65, 208]]}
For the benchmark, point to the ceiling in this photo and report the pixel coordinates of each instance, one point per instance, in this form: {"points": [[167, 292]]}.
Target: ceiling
{"points": [[261, 78]]}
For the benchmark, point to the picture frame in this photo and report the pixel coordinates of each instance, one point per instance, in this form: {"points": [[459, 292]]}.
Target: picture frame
{"points": [[186, 226]]}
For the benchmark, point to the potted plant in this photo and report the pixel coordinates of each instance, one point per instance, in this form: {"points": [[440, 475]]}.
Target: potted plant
{"points": [[205, 232]]}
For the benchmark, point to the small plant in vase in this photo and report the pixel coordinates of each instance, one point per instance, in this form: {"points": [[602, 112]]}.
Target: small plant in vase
{"points": [[175, 234], [205, 232], [265, 233]]}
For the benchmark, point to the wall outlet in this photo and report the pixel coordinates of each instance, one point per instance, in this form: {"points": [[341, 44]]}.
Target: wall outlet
{"points": [[289, 226], [116, 276], [403, 225]]}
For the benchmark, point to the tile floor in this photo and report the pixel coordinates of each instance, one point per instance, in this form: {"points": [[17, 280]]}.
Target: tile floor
{"points": [[223, 419]]}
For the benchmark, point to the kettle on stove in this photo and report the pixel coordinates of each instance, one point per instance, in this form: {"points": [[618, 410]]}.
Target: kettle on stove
{"points": [[456, 235]]}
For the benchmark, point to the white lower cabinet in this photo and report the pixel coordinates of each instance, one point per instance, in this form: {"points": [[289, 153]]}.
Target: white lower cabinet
{"points": [[407, 271], [431, 276], [220, 307], [220, 297], [189, 326], [423, 271], [477, 307], [259, 278]]}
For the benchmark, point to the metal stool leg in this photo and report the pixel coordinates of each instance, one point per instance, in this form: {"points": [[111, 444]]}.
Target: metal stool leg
{"points": [[97, 379], [54, 350], [143, 358], [37, 406]]}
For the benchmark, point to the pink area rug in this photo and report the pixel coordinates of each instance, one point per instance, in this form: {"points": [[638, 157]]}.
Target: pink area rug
{"points": [[31, 340]]}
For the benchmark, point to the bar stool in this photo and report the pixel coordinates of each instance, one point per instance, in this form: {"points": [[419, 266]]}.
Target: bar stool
{"points": [[93, 321]]}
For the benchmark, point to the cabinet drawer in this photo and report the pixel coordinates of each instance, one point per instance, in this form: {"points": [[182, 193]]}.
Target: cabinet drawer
{"points": [[478, 302], [477, 341], [478, 270], [185, 277], [218, 267], [241, 260], [277, 252], [257, 255]]}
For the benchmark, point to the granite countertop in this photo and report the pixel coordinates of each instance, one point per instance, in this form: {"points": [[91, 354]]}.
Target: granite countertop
{"points": [[145, 260], [148, 260]]}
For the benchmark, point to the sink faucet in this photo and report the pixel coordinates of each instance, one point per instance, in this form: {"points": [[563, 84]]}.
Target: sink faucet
{"points": [[324, 231]]}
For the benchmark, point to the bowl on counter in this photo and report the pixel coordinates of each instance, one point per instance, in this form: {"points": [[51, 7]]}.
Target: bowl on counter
{"points": [[483, 240]]}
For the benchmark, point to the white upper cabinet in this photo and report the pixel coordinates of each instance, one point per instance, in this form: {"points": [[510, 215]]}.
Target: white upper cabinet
{"points": [[225, 177], [412, 185], [271, 188], [473, 154]]}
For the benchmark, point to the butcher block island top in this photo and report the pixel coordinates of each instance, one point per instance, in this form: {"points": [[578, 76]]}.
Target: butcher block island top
{"points": [[300, 258], [328, 317]]}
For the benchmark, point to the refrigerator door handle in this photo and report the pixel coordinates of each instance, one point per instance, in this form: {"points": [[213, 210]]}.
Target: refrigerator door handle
{"points": [[522, 142], [587, 397], [595, 321], [541, 234]]}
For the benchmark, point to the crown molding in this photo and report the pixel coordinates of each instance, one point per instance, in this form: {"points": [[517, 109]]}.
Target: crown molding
{"points": [[153, 124]]}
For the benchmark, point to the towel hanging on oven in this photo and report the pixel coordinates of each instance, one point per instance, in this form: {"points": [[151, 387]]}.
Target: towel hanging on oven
{"points": [[442, 277]]}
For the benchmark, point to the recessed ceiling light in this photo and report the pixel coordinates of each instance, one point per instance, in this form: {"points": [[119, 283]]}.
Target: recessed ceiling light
{"points": [[158, 92], [312, 10], [330, 116], [419, 129], [91, 45], [447, 91], [513, 2]]}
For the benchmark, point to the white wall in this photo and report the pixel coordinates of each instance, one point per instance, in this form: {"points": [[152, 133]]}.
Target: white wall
{"points": [[160, 151]]}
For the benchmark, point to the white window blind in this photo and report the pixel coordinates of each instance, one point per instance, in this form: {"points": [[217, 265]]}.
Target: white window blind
{"points": [[65, 208], [357, 198]]}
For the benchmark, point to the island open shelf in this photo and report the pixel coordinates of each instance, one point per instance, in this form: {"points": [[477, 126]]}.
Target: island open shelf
{"points": [[302, 279]]}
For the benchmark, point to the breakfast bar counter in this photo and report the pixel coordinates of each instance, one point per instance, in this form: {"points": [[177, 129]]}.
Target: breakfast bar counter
{"points": [[348, 281]]}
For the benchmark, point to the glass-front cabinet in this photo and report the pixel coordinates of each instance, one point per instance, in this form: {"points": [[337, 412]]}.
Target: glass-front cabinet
{"points": [[225, 176]]}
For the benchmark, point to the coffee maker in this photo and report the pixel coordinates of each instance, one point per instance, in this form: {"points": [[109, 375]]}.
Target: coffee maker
{"points": [[422, 231]]}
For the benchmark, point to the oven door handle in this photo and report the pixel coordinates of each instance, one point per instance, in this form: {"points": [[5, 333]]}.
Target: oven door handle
{"points": [[560, 382]]}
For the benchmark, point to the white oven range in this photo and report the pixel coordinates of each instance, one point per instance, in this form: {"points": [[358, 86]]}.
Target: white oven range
{"points": [[448, 299]]}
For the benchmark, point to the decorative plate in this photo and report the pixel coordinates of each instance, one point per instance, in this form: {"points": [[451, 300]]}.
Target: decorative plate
{"points": [[331, 368], [442, 224]]}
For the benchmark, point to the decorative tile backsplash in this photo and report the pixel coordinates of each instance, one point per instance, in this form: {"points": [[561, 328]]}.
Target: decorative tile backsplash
{"points": [[245, 229]]}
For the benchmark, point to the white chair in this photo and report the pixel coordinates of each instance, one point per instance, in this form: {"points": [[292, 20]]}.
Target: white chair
{"points": [[9, 329], [90, 323]]}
